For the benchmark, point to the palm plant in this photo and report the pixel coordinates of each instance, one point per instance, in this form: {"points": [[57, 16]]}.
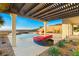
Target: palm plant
{"points": [[1, 21]]}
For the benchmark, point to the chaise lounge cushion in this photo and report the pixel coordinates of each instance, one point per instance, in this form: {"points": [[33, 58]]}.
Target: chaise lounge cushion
{"points": [[41, 38]]}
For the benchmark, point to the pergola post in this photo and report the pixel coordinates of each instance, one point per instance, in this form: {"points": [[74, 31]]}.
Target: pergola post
{"points": [[45, 27], [13, 29]]}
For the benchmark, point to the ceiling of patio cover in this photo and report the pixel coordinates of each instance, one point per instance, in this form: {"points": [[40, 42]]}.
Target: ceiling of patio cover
{"points": [[45, 11]]}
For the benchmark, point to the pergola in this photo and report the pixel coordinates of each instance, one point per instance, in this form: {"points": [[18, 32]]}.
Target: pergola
{"points": [[46, 11], [42, 12]]}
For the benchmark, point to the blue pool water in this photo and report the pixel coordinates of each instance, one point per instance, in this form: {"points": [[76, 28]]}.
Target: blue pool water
{"points": [[26, 36], [27, 39]]}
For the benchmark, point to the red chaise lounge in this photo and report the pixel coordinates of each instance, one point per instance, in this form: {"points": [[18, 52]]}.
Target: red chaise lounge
{"points": [[41, 38]]}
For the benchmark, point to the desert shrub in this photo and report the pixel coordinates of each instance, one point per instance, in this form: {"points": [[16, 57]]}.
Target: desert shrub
{"points": [[75, 53], [54, 51], [61, 44]]}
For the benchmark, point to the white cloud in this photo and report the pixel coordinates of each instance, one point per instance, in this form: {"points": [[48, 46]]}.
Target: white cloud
{"points": [[5, 28], [23, 28]]}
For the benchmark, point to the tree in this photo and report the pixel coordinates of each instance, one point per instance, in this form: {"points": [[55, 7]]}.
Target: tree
{"points": [[1, 21]]}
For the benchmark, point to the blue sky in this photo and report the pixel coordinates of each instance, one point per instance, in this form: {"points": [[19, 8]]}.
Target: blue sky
{"points": [[24, 23]]}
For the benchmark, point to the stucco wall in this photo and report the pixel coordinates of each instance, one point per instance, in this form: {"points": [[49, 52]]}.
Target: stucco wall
{"points": [[66, 30]]}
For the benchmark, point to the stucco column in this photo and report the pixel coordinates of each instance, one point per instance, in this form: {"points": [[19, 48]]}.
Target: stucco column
{"points": [[13, 30], [70, 30], [64, 31], [45, 27]]}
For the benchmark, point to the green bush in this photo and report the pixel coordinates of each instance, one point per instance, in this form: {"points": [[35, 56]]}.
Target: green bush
{"points": [[54, 51], [75, 53], [61, 44]]}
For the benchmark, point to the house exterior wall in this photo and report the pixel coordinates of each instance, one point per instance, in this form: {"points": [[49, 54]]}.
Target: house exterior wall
{"points": [[66, 30], [70, 30]]}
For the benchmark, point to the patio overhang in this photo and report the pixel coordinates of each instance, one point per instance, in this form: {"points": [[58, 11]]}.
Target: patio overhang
{"points": [[42, 11], [72, 20], [46, 11]]}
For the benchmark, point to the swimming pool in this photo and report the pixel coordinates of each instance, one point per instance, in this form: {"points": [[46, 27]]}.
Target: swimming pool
{"points": [[25, 45], [25, 36], [23, 40]]}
